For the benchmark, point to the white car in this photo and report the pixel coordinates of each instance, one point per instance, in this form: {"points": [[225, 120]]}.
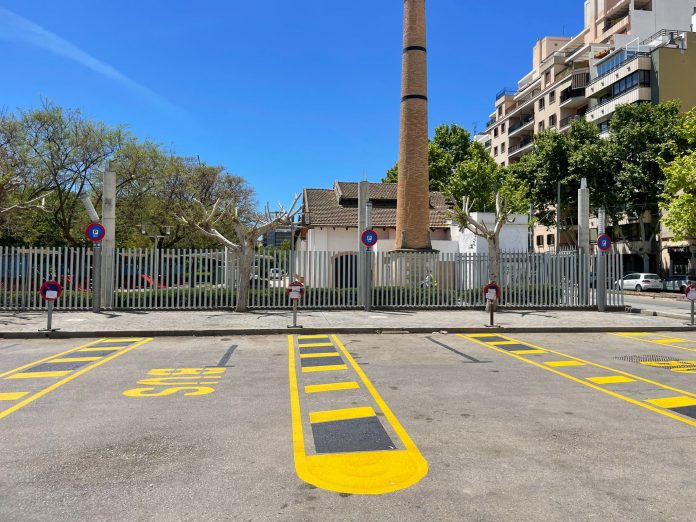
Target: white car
{"points": [[640, 282]]}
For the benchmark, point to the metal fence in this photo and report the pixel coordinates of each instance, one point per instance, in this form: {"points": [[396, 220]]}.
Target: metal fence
{"points": [[138, 279]]}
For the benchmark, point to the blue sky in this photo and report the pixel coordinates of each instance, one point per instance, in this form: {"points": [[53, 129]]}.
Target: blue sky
{"points": [[286, 94]]}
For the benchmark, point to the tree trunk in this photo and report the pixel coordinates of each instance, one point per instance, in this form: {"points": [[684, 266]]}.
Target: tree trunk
{"points": [[493, 258], [244, 274]]}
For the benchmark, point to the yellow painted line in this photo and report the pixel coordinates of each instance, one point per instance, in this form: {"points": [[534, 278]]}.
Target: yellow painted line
{"points": [[66, 352], [130, 340], [104, 349], [38, 375], [500, 343], [358, 473], [334, 386], [73, 375], [316, 417], [528, 352], [556, 364], [75, 359], [476, 336], [673, 402], [313, 336], [12, 396], [315, 345], [610, 379], [635, 402], [669, 341], [658, 342], [318, 355], [331, 368]]}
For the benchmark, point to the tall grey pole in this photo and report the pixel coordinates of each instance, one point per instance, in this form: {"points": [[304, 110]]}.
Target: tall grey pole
{"points": [[109, 243], [96, 277], [292, 250], [368, 260], [558, 217], [601, 283], [583, 237], [363, 197]]}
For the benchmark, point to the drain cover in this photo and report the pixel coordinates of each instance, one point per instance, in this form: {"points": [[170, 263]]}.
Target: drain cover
{"points": [[661, 361], [644, 358]]}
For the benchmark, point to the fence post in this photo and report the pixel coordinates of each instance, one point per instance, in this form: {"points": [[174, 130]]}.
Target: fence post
{"points": [[96, 277]]}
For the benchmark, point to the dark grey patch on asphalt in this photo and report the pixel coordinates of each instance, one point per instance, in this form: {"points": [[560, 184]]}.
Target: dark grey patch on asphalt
{"points": [[313, 341], [319, 349], [321, 361], [225, 358], [514, 347], [461, 354], [490, 339], [687, 411], [366, 434], [94, 354], [57, 367], [115, 344]]}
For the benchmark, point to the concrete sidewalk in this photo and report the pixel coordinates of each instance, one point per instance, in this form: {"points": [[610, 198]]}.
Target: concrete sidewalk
{"points": [[215, 323]]}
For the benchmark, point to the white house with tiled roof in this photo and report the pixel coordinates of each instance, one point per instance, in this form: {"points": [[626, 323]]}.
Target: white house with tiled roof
{"points": [[330, 222]]}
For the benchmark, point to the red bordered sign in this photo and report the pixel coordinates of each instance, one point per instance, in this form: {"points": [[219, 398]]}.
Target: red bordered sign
{"points": [[488, 291], [296, 291], [690, 292], [95, 232], [51, 290]]}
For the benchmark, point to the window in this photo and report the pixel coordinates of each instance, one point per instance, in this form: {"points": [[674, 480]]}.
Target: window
{"points": [[542, 104], [540, 241], [495, 132], [541, 126], [495, 151], [550, 239], [547, 77], [502, 128], [552, 120], [502, 147], [630, 82], [500, 111], [552, 97]]}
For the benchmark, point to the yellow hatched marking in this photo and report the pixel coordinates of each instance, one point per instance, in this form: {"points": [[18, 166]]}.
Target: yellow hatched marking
{"points": [[476, 336], [73, 375], [673, 402], [133, 340], [322, 336], [318, 355], [330, 368], [316, 417], [106, 349], [334, 386], [611, 379], [668, 342], [50, 357], [528, 352], [556, 364], [38, 375], [315, 345], [75, 359], [12, 396], [594, 386], [501, 343]]}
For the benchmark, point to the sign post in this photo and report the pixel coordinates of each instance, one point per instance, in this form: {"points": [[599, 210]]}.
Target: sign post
{"points": [[491, 293], [96, 232], [50, 292], [368, 239], [604, 244], [691, 296], [296, 292]]}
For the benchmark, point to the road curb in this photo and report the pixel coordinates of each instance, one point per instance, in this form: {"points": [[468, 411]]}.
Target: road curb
{"points": [[655, 313], [340, 330]]}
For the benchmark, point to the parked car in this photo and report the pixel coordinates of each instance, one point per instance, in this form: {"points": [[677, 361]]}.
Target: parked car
{"points": [[640, 282], [677, 283]]}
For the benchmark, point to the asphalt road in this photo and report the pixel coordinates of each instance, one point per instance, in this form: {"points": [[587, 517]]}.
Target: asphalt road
{"points": [[390, 427], [659, 305]]}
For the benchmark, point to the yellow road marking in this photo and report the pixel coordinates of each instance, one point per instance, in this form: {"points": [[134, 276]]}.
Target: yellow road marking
{"points": [[502, 343], [611, 379], [635, 402], [528, 352], [72, 376], [38, 375], [12, 396], [313, 336], [75, 359], [318, 355], [360, 473], [334, 386], [105, 349], [330, 368], [124, 340], [48, 358], [316, 417], [556, 364], [315, 345], [673, 402], [669, 342]]}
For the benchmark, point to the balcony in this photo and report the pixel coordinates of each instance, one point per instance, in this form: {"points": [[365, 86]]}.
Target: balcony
{"points": [[527, 123], [565, 122], [491, 122], [572, 98], [606, 79], [523, 146], [607, 108], [505, 92]]}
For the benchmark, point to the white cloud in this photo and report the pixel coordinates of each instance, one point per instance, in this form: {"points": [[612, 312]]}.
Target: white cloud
{"points": [[15, 28]]}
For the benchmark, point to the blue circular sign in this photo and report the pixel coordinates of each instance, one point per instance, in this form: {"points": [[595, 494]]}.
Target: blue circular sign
{"points": [[369, 238], [95, 232], [604, 242]]}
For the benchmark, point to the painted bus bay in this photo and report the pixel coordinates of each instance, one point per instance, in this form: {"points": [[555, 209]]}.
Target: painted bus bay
{"points": [[357, 445]]}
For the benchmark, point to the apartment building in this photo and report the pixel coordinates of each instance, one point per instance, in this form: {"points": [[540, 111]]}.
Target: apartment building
{"points": [[629, 51]]}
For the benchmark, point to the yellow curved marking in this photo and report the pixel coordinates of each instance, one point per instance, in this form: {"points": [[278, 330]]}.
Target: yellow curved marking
{"points": [[665, 341], [359, 473]]}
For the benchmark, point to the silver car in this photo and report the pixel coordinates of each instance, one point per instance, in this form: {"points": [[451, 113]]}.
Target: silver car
{"points": [[640, 282], [677, 283]]}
